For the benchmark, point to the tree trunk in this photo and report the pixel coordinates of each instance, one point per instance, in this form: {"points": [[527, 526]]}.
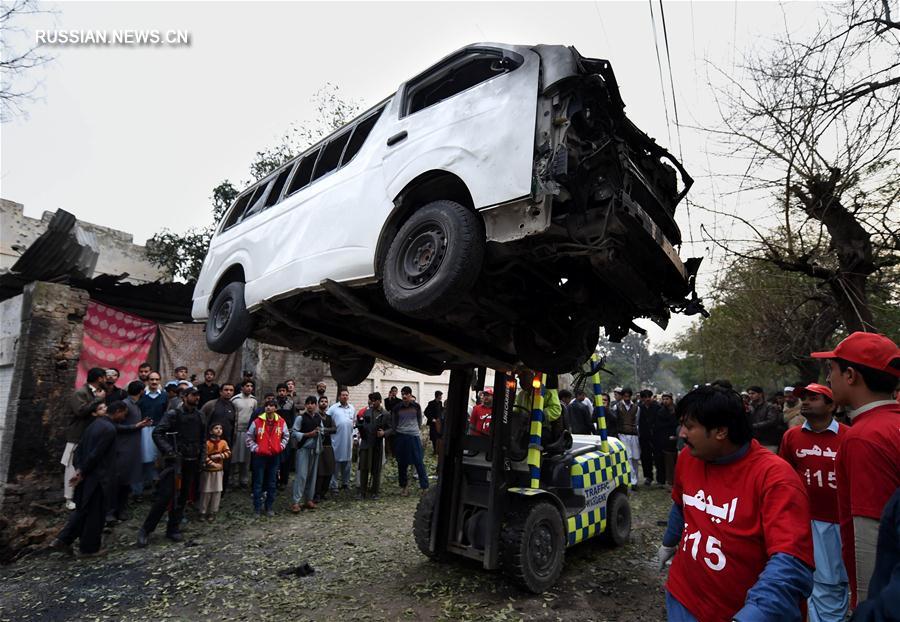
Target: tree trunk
{"points": [[849, 291], [852, 244]]}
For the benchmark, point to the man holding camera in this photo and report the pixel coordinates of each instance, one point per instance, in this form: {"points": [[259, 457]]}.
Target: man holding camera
{"points": [[181, 439]]}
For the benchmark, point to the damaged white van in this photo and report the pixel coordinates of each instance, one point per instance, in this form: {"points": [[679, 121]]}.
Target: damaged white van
{"points": [[498, 210]]}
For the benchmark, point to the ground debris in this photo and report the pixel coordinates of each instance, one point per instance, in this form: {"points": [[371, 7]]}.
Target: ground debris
{"points": [[367, 567]]}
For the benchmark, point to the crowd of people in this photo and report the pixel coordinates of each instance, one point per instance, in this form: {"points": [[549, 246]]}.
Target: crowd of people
{"points": [[776, 503], [193, 443], [783, 512]]}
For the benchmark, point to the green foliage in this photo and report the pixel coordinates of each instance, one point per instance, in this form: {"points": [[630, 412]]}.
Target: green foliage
{"points": [[630, 361], [764, 322], [181, 254]]}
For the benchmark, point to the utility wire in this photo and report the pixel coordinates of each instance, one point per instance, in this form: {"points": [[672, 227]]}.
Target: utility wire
{"points": [[671, 80], [662, 84]]}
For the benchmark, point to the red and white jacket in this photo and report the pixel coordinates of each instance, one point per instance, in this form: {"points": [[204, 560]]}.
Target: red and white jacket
{"points": [[268, 437]]}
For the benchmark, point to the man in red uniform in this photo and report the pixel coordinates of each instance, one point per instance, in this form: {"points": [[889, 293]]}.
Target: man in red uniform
{"points": [[811, 449], [480, 419], [863, 371], [739, 526]]}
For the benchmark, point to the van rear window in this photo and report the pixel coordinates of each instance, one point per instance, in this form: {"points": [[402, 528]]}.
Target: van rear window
{"points": [[455, 76]]}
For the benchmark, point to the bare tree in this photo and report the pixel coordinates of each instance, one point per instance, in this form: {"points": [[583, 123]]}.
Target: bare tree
{"points": [[817, 124], [14, 65]]}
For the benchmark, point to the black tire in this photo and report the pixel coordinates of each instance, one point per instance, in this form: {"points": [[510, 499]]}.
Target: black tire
{"points": [[422, 522], [229, 324], [434, 260], [533, 544], [352, 371], [560, 355], [618, 520]]}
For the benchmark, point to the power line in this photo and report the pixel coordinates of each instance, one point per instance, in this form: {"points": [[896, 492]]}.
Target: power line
{"points": [[662, 84], [671, 80]]}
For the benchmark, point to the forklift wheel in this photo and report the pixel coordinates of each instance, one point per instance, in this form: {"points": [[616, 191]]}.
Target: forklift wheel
{"points": [[618, 520], [533, 546], [423, 521]]}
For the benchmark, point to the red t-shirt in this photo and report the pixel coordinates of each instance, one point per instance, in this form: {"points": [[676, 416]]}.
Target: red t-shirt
{"points": [[480, 420], [812, 454], [868, 473], [736, 516]]}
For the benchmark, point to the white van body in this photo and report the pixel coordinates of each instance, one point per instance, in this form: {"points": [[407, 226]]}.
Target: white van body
{"points": [[499, 147], [326, 231]]}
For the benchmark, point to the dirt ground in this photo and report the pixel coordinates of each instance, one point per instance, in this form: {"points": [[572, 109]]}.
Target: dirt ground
{"points": [[367, 568]]}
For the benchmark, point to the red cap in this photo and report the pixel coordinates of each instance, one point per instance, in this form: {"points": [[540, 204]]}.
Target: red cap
{"points": [[814, 388], [869, 349], [489, 391]]}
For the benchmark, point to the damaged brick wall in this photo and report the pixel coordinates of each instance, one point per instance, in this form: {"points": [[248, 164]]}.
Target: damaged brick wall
{"points": [[44, 376], [41, 361]]}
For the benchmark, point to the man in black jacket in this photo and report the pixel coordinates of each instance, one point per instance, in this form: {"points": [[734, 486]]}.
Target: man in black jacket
{"points": [[129, 470], [434, 412], [765, 418], [578, 417], [95, 461], [222, 411], [646, 430], [81, 404], [181, 440], [664, 438]]}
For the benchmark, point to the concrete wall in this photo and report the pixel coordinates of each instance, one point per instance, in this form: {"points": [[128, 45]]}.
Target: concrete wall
{"points": [[10, 333], [118, 252]]}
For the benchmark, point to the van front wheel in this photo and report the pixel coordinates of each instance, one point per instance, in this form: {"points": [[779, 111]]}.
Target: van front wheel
{"points": [[434, 260], [229, 323]]}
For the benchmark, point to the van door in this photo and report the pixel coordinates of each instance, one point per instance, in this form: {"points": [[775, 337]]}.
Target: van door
{"points": [[472, 114]]}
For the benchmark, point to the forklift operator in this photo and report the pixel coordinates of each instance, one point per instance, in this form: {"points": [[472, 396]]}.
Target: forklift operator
{"points": [[554, 423]]}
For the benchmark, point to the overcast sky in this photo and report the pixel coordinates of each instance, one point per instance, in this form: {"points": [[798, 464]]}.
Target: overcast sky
{"points": [[135, 137]]}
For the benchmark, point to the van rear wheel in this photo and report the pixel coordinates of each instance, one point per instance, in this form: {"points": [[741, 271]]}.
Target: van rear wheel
{"points": [[229, 324], [434, 260]]}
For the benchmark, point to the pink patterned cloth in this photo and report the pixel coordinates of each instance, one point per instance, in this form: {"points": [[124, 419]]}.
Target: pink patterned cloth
{"points": [[114, 338]]}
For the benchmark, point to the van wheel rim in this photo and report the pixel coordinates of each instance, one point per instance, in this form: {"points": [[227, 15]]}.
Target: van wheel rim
{"points": [[422, 254], [223, 315]]}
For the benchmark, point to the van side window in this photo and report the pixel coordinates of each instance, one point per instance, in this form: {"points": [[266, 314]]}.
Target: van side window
{"points": [[455, 76], [275, 192], [303, 172], [237, 209], [360, 133], [331, 155], [256, 201]]}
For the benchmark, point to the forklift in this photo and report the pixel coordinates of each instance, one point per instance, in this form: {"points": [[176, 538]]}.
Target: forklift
{"points": [[511, 503]]}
